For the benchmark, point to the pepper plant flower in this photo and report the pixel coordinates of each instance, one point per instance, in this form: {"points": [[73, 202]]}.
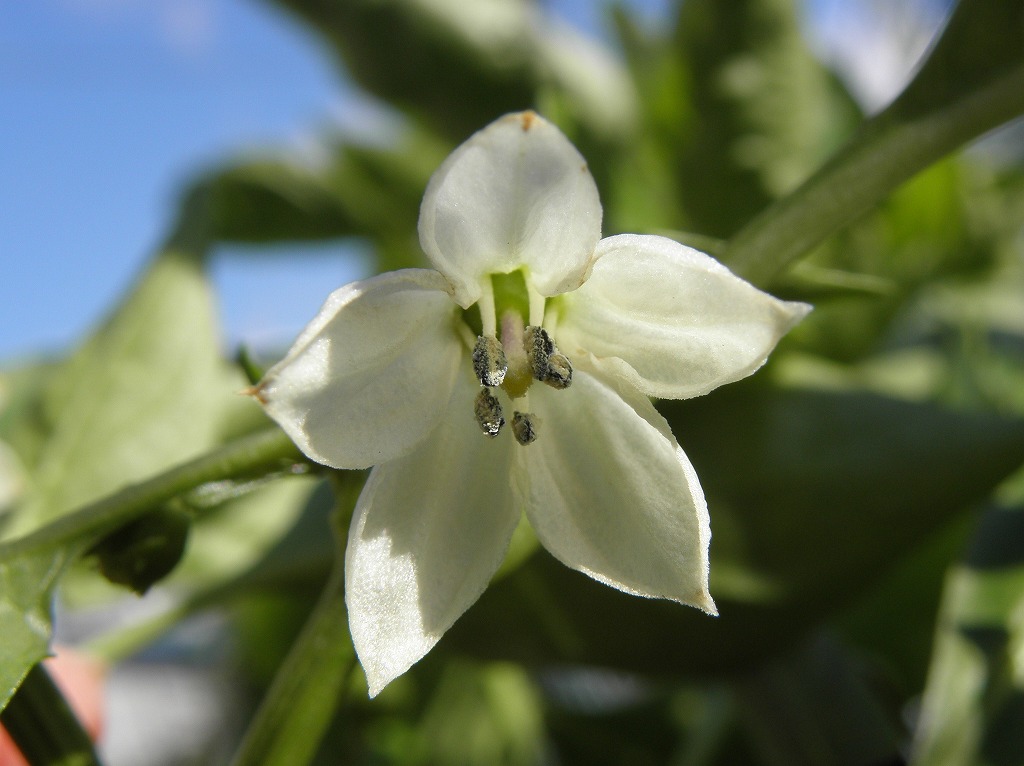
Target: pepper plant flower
{"points": [[515, 377]]}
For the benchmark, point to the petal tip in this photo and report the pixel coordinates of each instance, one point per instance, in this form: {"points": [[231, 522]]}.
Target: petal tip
{"points": [[707, 605], [256, 392]]}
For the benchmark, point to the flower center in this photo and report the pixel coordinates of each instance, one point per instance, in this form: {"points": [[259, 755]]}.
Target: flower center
{"points": [[514, 358]]}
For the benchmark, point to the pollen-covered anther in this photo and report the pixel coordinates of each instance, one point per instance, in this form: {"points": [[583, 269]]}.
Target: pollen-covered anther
{"points": [[546, 364], [489, 363], [524, 427], [559, 371], [538, 346], [488, 413]]}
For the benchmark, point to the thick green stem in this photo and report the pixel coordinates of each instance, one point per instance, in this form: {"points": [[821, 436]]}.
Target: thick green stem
{"points": [[961, 92], [43, 726], [886, 152], [298, 708], [262, 452]]}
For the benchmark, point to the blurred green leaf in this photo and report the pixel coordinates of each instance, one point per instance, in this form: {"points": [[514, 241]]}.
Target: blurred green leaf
{"points": [[271, 201], [234, 537], [813, 495], [26, 586], [457, 66], [31, 565], [973, 706], [145, 392], [23, 422], [815, 706], [354, 191], [478, 714], [893, 624], [764, 112]]}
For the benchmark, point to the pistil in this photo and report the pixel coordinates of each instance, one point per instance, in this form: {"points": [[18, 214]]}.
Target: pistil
{"points": [[519, 376]]}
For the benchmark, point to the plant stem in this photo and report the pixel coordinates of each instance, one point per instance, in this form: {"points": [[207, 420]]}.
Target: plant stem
{"points": [[887, 151], [305, 693], [43, 726], [261, 452]]}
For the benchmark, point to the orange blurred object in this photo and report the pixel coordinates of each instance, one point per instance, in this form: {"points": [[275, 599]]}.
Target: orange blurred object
{"points": [[80, 679]]}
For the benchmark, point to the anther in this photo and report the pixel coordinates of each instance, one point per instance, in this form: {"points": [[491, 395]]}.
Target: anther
{"points": [[546, 364], [539, 347], [489, 362], [524, 427], [559, 371], [488, 413]]}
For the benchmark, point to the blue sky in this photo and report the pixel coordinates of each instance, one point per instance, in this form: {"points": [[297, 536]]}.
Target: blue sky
{"points": [[108, 106]]}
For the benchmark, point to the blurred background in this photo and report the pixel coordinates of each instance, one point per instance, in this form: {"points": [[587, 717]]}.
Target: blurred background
{"points": [[111, 106], [865, 487]]}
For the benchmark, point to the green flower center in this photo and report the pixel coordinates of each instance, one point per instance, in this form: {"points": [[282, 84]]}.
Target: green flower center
{"points": [[512, 355]]}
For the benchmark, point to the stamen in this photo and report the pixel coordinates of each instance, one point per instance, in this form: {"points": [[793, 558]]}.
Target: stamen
{"points": [[488, 315], [537, 302], [524, 427], [488, 413], [489, 364]]}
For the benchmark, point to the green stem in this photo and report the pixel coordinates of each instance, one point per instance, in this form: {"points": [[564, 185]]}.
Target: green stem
{"points": [[889, 149], [268, 450], [298, 708], [43, 726]]}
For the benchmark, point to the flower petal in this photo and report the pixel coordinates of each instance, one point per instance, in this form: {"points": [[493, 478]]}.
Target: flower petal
{"points": [[370, 376], [612, 495], [429, 531], [679, 321], [517, 193]]}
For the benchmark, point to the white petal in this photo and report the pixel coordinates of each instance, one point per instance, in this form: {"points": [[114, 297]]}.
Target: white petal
{"points": [[611, 494], [674, 321], [370, 376], [517, 193], [428, 532]]}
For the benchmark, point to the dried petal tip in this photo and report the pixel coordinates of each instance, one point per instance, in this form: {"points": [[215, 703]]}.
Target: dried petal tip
{"points": [[524, 426], [489, 363], [488, 413], [256, 392]]}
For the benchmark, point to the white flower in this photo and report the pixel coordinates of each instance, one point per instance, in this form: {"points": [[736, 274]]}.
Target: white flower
{"points": [[412, 371]]}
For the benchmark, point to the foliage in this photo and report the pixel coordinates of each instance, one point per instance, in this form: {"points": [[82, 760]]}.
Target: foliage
{"points": [[868, 544]]}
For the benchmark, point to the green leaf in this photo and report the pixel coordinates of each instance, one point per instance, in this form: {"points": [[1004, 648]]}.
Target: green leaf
{"points": [[145, 392], [764, 112], [31, 566], [974, 701], [358, 191], [816, 706], [972, 82], [271, 201], [233, 537], [489, 713], [26, 587], [458, 66], [813, 495]]}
